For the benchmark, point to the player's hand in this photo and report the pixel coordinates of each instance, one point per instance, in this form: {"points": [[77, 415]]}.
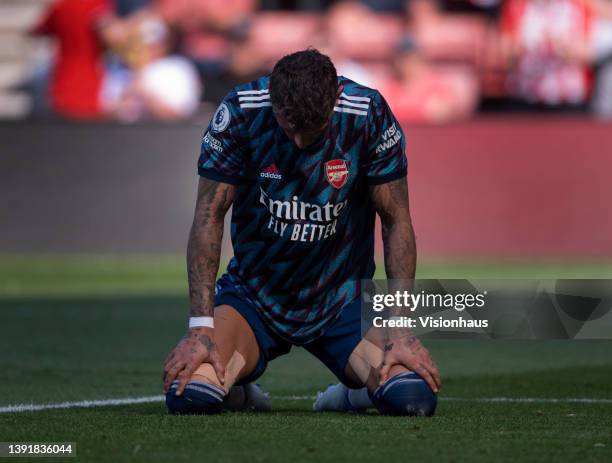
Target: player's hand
{"points": [[404, 349], [197, 347]]}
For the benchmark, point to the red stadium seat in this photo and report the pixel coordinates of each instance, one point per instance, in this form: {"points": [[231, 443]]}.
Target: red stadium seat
{"points": [[276, 34]]}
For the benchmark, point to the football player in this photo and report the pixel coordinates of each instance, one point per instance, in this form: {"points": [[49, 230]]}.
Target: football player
{"points": [[306, 159]]}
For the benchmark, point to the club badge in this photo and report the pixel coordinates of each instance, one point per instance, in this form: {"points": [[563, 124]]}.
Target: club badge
{"points": [[336, 172]]}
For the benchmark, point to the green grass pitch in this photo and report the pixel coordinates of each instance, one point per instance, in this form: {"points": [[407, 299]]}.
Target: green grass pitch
{"points": [[85, 328]]}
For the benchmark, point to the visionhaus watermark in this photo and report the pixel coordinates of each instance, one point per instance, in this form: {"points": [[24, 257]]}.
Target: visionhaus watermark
{"points": [[402, 301], [494, 309]]}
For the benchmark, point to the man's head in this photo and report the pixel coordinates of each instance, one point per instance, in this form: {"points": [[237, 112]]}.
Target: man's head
{"points": [[303, 91]]}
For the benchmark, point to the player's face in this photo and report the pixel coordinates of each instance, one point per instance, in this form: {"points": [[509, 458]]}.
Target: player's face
{"points": [[302, 139]]}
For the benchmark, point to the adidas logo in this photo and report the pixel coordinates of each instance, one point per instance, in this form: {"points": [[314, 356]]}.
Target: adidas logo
{"points": [[271, 172]]}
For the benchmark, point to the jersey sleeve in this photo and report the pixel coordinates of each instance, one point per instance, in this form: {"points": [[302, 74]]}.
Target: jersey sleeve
{"points": [[222, 155], [386, 145]]}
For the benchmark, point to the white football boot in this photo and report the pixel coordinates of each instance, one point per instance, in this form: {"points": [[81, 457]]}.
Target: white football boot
{"points": [[249, 397]]}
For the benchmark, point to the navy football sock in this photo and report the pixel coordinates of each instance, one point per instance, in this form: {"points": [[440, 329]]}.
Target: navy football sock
{"points": [[405, 394], [197, 398]]}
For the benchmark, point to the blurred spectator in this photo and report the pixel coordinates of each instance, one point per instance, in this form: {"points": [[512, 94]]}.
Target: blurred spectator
{"points": [[207, 29], [602, 50], [549, 45], [425, 92], [551, 51], [155, 84], [245, 61], [81, 28]]}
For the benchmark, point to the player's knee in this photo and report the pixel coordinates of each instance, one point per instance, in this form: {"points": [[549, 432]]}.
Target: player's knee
{"points": [[406, 394], [197, 398]]}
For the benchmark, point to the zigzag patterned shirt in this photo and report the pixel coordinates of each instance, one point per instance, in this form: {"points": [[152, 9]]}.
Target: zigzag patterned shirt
{"points": [[302, 223]]}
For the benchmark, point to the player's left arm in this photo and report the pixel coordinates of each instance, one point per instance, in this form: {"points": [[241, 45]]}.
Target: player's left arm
{"points": [[403, 347], [391, 203]]}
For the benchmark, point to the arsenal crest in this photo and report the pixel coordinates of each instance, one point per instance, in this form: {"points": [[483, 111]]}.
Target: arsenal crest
{"points": [[336, 172]]}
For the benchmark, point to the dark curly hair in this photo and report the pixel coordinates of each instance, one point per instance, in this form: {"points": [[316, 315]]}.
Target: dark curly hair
{"points": [[303, 89]]}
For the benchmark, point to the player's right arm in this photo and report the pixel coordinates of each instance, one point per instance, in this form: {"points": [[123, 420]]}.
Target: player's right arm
{"points": [[221, 166], [203, 254]]}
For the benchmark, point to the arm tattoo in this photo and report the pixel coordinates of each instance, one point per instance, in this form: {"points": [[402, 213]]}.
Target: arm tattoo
{"points": [[204, 247], [391, 202], [403, 337], [207, 342]]}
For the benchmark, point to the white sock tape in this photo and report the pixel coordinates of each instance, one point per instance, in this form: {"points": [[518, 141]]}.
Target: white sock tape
{"points": [[197, 322]]}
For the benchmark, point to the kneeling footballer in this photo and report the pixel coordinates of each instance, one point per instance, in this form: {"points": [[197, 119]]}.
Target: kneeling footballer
{"points": [[306, 159]]}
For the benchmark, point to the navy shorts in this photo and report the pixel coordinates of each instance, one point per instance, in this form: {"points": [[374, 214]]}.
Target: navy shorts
{"points": [[333, 348]]}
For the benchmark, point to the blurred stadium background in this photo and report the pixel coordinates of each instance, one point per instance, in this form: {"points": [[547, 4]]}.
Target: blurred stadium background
{"points": [[103, 104], [435, 61]]}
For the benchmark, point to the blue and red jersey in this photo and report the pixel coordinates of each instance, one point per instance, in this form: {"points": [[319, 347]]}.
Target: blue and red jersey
{"points": [[302, 223]]}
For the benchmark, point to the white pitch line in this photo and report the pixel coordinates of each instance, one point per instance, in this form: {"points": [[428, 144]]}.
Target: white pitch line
{"points": [[18, 408], [81, 404]]}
